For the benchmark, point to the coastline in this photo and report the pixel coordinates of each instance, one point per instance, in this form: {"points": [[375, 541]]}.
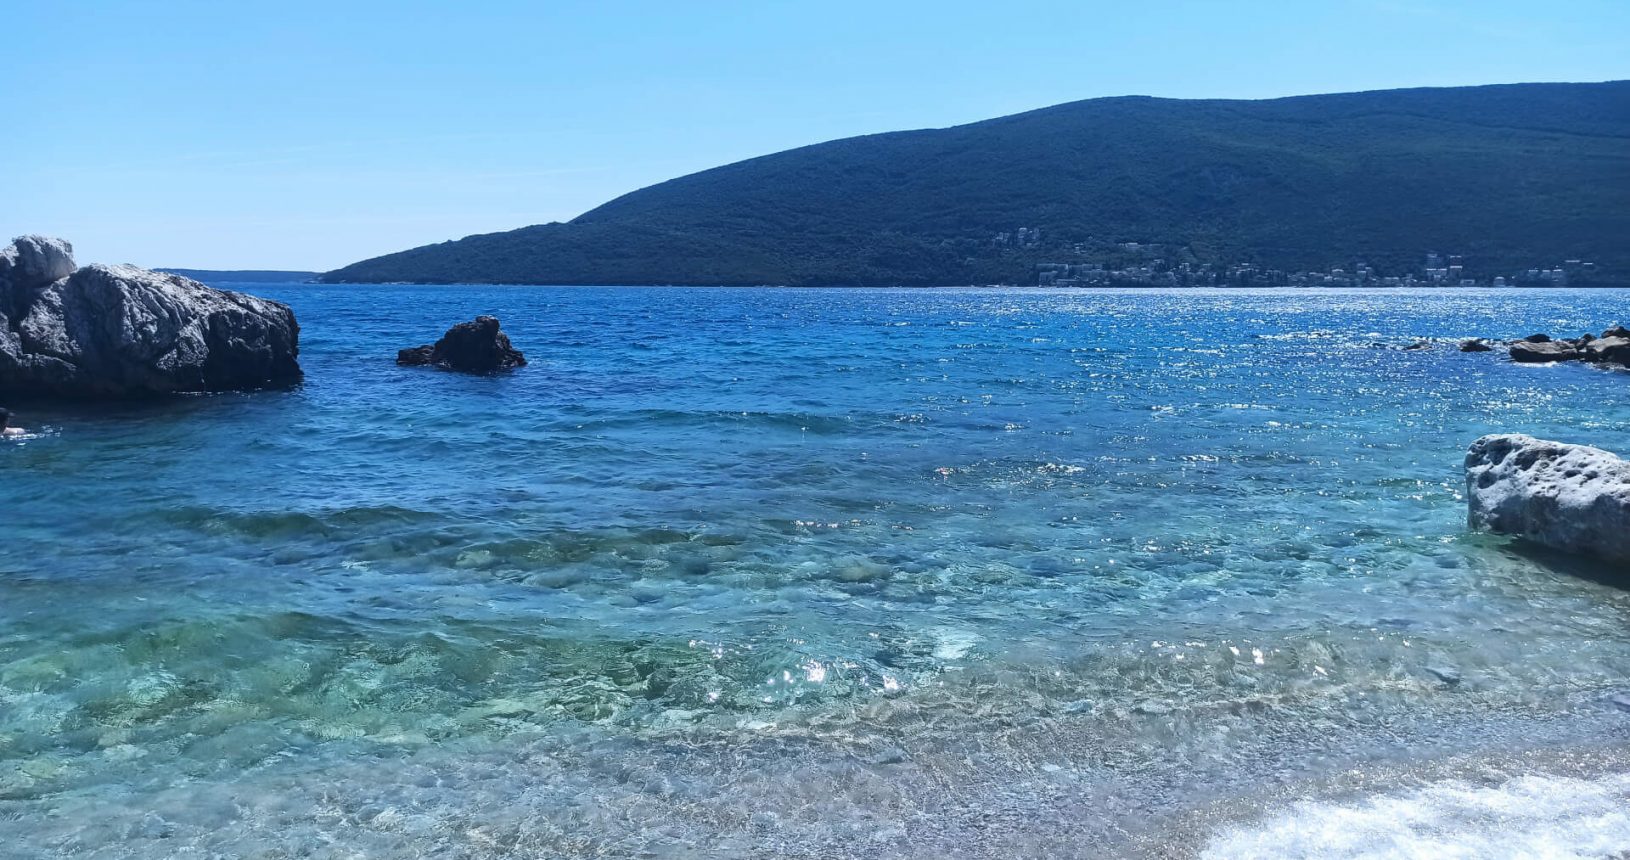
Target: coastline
{"points": [[884, 785], [969, 573]]}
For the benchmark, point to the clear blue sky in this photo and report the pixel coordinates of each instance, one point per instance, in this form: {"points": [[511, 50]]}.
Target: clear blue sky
{"points": [[308, 135]]}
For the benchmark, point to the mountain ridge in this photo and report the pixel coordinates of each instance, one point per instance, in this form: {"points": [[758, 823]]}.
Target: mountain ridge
{"points": [[1295, 182]]}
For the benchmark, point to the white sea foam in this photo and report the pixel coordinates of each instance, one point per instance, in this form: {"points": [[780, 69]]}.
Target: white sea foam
{"points": [[30, 435], [1535, 816]]}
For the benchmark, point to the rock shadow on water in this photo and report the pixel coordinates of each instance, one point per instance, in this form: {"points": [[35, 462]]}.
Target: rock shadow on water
{"points": [[1582, 567]]}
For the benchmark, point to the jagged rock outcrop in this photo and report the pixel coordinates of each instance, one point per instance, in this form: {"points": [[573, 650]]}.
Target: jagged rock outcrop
{"points": [[123, 331], [1608, 350], [1568, 497], [31, 262], [472, 347], [1611, 348]]}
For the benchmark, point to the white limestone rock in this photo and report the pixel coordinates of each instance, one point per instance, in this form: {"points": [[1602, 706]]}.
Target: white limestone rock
{"points": [[1568, 497], [123, 331], [31, 262]]}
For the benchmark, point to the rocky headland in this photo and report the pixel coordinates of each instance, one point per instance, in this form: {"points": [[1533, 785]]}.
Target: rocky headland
{"points": [[122, 331]]}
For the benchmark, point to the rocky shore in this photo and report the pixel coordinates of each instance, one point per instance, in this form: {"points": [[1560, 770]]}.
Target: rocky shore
{"points": [[121, 331]]}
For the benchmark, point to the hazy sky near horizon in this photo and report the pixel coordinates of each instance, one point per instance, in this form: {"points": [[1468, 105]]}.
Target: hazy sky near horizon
{"points": [[308, 135]]}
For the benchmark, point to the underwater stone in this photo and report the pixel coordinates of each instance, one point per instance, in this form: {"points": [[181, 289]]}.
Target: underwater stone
{"points": [[1449, 676]]}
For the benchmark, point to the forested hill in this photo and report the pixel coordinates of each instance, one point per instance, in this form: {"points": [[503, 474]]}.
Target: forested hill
{"points": [[1508, 177]]}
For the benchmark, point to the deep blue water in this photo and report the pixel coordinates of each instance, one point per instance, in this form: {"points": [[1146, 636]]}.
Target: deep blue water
{"points": [[707, 537]]}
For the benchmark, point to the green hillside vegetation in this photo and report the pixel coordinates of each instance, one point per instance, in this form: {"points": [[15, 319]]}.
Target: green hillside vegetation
{"points": [[1509, 177]]}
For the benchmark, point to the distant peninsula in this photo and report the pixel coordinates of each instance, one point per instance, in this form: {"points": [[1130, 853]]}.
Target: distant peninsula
{"points": [[243, 276], [1524, 183]]}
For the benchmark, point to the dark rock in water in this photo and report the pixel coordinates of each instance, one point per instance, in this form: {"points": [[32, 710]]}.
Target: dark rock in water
{"points": [[1418, 345], [1608, 350], [1612, 347], [1535, 352], [418, 355], [471, 347], [1571, 498], [122, 331]]}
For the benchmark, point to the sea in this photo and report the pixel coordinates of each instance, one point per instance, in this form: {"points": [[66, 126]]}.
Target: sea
{"points": [[821, 573]]}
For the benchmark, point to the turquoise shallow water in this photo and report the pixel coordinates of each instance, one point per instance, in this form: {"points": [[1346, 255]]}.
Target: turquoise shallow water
{"points": [[834, 572]]}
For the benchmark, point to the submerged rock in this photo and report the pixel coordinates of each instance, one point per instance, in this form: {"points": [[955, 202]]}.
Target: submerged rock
{"points": [[1475, 344], [1567, 497], [123, 331], [1446, 675], [472, 347]]}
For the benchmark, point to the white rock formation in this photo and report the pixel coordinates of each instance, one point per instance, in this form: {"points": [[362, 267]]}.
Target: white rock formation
{"points": [[1568, 497], [34, 261]]}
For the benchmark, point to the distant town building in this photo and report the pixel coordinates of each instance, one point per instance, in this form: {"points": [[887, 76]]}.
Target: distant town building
{"points": [[1167, 265], [1024, 237]]}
